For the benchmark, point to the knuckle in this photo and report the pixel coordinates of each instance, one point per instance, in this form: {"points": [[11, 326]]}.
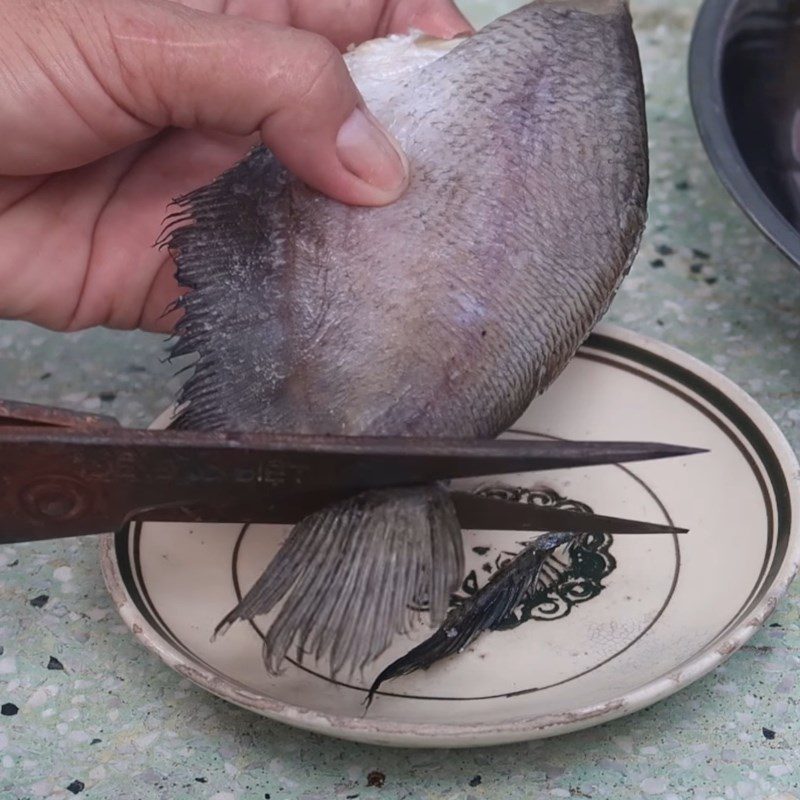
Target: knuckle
{"points": [[320, 66]]}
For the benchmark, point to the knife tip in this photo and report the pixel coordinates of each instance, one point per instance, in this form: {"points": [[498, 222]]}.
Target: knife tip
{"points": [[661, 450]]}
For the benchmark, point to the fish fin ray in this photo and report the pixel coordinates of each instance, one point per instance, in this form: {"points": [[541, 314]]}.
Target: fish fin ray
{"points": [[348, 575]]}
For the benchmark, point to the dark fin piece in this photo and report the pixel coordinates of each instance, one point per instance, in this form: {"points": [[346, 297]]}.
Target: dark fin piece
{"points": [[483, 611], [353, 573], [223, 240]]}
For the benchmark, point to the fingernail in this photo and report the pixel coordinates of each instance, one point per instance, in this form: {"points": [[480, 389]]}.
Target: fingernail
{"points": [[465, 30], [368, 151], [456, 30]]}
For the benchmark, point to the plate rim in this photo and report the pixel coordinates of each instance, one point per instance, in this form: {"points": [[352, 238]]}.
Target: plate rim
{"points": [[444, 734]]}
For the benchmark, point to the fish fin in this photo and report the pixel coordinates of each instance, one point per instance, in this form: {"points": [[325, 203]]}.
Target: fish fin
{"points": [[350, 575], [225, 238], [505, 590]]}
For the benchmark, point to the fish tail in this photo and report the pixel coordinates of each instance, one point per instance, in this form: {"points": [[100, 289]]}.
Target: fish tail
{"points": [[355, 574]]}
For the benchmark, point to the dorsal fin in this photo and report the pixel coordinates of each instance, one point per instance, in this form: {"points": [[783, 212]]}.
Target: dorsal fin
{"points": [[226, 239]]}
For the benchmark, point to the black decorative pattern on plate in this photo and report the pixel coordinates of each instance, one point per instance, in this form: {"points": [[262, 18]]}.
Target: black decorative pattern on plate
{"points": [[567, 580]]}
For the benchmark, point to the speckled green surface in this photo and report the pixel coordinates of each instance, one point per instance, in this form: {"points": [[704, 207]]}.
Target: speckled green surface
{"points": [[115, 723]]}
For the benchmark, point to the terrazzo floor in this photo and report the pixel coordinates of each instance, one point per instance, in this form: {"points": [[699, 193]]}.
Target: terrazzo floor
{"points": [[86, 712]]}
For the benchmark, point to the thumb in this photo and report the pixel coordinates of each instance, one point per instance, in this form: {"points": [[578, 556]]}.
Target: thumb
{"points": [[160, 64]]}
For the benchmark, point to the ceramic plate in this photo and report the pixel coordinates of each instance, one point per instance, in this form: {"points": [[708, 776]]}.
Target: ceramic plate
{"points": [[629, 622]]}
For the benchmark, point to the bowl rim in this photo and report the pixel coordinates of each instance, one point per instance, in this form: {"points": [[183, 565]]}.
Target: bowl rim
{"points": [[467, 735], [708, 108]]}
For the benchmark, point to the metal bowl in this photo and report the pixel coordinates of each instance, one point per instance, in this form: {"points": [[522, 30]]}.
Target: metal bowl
{"points": [[744, 82]]}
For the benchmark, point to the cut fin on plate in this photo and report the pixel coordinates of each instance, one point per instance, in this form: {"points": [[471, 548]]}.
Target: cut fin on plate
{"points": [[486, 609]]}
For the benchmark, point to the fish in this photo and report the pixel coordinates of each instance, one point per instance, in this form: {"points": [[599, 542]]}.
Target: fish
{"points": [[443, 314]]}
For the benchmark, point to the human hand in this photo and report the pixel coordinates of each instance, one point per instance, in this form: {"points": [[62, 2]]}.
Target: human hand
{"points": [[110, 108]]}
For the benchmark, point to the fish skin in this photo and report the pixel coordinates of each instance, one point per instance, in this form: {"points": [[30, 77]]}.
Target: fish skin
{"points": [[442, 314]]}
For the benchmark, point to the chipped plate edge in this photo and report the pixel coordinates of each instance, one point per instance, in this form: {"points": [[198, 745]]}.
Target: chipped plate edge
{"points": [[397, 734]]}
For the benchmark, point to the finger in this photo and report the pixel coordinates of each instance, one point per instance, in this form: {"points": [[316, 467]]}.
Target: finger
{"points": [[274, 11], [358, 20], [237, 76], [440, 18], [136, 68]]}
